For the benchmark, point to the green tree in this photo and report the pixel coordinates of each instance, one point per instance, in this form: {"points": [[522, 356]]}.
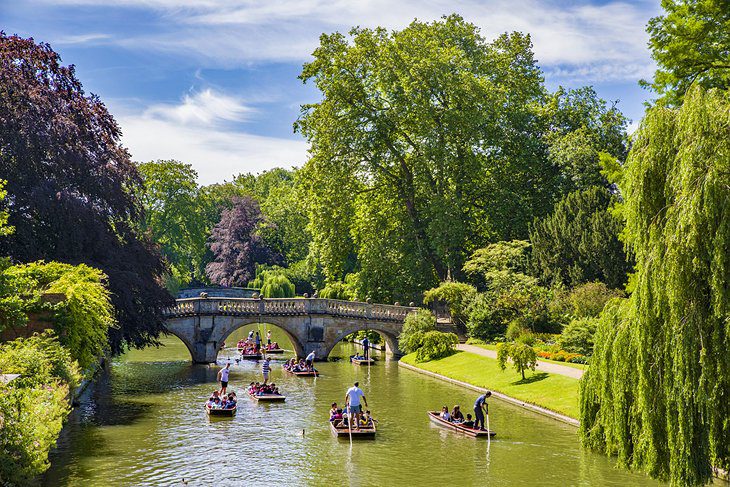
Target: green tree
{"points": [[488, 265], [457, 295], [173, 217], [690, 42], [581, 126], [436, 345], [656, 394], [402, 144], [577, 336], [521, 354], [579, 242], [415, 327]]}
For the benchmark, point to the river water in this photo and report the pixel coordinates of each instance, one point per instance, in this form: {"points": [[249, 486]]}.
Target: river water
{"points": [[144, 424]]}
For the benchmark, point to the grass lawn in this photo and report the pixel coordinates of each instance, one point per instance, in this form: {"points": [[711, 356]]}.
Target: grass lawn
{"points": [[551, 391], [489, 346]]}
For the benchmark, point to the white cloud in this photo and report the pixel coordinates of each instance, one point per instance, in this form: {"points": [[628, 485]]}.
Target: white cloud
{"points": [[233, 32], [201, 130], [80, 39]]}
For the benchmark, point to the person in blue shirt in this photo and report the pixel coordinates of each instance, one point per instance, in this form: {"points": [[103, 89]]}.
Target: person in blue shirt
{"points": [[480, 409]]}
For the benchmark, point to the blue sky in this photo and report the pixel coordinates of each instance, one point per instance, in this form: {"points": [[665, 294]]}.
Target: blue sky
{"points": [[214, 83]]}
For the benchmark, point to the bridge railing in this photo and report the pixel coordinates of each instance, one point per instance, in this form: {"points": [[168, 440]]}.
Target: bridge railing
{"points": [[287, 307]]}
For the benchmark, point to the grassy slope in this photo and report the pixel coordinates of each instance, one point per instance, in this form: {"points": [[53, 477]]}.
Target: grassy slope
{"points": [[567, 364], [554, 392]]}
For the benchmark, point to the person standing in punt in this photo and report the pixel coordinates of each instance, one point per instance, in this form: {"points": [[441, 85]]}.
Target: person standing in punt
{"points": [[366, 347], [309, 361], [352, 398], [223, 377], [480, 409], [258, 343]]}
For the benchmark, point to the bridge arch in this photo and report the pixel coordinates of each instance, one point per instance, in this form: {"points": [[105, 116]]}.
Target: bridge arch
{"points": [[291, 335], [390, 336]]}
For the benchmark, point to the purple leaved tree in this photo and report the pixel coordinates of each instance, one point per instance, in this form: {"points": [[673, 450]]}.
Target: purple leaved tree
{"points": [[237, 244]]}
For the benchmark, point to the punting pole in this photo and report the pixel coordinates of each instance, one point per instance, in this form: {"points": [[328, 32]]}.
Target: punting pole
{"points": [[349, 423]]}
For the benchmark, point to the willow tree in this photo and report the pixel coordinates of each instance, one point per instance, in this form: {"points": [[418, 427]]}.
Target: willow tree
{"points": [[657, 393]]}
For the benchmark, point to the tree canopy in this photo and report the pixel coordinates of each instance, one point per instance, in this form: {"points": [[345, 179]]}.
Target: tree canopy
{"points": [[431, 142], [578, 242], [691, 44], [72, 187], [237, 245]]}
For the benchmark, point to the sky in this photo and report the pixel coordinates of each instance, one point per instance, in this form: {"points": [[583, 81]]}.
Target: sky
{"points": [[214, 82]]}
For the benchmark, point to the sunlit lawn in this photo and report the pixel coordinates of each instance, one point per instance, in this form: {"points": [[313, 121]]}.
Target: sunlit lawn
{"points": [[551, 391], [490, 346]]}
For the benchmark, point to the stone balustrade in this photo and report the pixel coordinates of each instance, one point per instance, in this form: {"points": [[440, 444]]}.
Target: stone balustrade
{"points": [[287, 307]]}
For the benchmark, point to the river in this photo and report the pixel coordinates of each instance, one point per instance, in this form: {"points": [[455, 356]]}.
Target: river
{"points": [[144, 424]]}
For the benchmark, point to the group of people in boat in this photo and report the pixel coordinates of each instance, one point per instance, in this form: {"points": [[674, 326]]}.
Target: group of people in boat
{"points": [[456, 416], [303, 365], [258, 389], [222, 401], [251, 345], [353, 412]]}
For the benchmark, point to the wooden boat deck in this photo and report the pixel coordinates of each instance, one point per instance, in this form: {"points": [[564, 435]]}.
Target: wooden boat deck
{"points": [[222, 413], [363, 361], [268, 397], [365, 433], [304, 373], [437, 419]]}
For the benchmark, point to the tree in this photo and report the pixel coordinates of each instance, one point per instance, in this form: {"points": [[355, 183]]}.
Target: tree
{"points": [[173, 217], [581, 126], [577, 336], [415, 327], [690, 43], [457, 295], [237, 244], [488, 265], [72, 187], [521, 354], [403, 144], [579, 242], [656, 394], [436, 345]]}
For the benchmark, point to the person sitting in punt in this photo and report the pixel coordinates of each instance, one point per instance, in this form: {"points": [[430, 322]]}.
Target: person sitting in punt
{"points": [[231, 401], [214, 403], [469, 423], [445, 414], [456, 415], [367, 420]]}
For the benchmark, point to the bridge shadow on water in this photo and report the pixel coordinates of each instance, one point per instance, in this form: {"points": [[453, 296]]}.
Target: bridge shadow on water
{"points": [[536, 377]]}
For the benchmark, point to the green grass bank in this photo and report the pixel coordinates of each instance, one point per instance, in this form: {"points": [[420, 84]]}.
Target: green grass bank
{"points": [[550, 391]]}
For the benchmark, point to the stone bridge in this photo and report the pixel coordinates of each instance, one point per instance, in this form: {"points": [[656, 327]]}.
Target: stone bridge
{"points": [[312, 324]]}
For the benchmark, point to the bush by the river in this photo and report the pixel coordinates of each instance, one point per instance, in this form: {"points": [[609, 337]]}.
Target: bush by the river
{"points": [[34, 406], [415, 327], [81, 319], [436, 345]]}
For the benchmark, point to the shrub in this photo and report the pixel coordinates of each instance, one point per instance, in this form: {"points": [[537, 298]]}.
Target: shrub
{"points": [[34, 406], [435, 345], [523, 356], [577, 337], [589, 299], [81, 321], [456, 294], [415, 327]]}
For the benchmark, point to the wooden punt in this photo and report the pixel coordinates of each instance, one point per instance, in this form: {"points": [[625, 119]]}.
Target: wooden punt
{"points": [[362, 361], [223, 413], [437, 419], [274, 350], [268, 397], [365, 433], [250, 356], [304, 373]]}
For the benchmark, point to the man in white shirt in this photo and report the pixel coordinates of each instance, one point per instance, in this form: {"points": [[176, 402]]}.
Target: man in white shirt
{"points": [[352, 398], [310, 360]]}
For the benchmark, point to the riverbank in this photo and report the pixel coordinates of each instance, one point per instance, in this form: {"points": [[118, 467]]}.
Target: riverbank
{"points": [[551, 394]]}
